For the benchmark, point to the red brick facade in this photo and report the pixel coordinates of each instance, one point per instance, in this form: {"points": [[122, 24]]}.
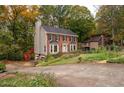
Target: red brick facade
{"points": [[60, 42]]}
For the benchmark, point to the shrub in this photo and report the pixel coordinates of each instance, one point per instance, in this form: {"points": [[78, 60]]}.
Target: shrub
{"points": [[4, 49], [119, 59], [12, 52], [32, 56], [2, 67], [2, 56], [49, 57], [80, 59], [58, 55], [15, 53], [114, 48]]}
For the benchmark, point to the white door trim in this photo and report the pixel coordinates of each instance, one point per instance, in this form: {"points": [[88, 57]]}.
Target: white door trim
{"points": [[64, 47]]}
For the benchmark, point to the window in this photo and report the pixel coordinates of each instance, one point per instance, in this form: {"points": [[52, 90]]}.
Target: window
{"points": [[74, 47], [55, 48], [71, 47], [50, 36], [56, 37], [71, 38], [51, 49], [74, 38], [64, 38]]}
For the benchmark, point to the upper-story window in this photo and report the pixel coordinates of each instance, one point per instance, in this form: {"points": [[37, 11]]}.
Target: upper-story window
{"points": [[57, 37], [74, 39], [64, 38], [50, 37], [71, 38]]}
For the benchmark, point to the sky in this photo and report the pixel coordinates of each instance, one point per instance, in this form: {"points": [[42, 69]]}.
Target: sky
{"points": [[92, 8]]}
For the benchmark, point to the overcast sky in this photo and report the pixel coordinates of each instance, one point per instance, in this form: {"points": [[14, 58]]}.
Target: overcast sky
{"points": [[92, 8]]}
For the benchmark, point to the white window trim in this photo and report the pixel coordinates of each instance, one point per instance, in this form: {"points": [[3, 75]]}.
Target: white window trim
{"points": [[53, 49], [50, 36], [72, 47], [66, 47]]}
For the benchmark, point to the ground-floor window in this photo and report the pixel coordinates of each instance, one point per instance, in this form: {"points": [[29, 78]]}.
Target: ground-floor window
{"points": [[73, 47], [51, 49], [54, 48]]}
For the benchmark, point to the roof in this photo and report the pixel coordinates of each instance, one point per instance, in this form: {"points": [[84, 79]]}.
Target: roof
{"points": [[93, 39], [97, 38], [50, 29]]}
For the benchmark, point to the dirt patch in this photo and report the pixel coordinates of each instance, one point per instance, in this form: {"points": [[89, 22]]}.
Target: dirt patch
{"points": [[103, 61], [6, 75], [84, 75], [14, 65]]}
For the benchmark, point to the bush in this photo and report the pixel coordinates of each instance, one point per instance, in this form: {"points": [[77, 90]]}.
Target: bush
{"points": [[116, 60], [49, 57], [2, 67], [2, 56], [12, 52], [57, 55], [4, 49], [115, 48], [80, 59], [15, 53], [32, 56]]}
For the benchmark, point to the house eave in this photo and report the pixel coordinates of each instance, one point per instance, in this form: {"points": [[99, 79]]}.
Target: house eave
{"points": [[61, 34]]}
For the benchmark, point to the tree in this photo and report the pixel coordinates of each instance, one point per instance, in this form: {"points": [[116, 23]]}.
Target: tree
{"points": [[110, 20], [81, 22], [19, 20], [76, 18]]}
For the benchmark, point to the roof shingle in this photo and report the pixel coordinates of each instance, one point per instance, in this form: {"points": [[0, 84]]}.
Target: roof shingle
{"points": [[50, 29]]}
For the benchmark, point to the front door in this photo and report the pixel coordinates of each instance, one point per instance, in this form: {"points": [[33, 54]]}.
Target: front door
{"points": [[64, 48]]}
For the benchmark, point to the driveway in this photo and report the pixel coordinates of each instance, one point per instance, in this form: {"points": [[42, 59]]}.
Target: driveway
{"points": [[83, 75]]}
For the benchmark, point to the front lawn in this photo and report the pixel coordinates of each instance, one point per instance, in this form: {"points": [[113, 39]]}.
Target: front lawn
{"points": [[119, 59], [28, 80], [77, 58], [64, 59], [99, 56]]}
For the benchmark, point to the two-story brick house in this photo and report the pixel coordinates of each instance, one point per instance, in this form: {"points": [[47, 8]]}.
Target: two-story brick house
{"points": [[52, 40]]}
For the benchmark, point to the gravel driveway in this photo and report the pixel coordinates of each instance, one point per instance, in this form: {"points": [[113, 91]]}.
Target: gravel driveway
{"points": [[84, 75]]}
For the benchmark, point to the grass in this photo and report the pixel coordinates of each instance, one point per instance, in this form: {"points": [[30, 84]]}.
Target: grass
{"points": [[64, 59], [119, 59], [29, 80], [73, 58], [99, 56]]}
